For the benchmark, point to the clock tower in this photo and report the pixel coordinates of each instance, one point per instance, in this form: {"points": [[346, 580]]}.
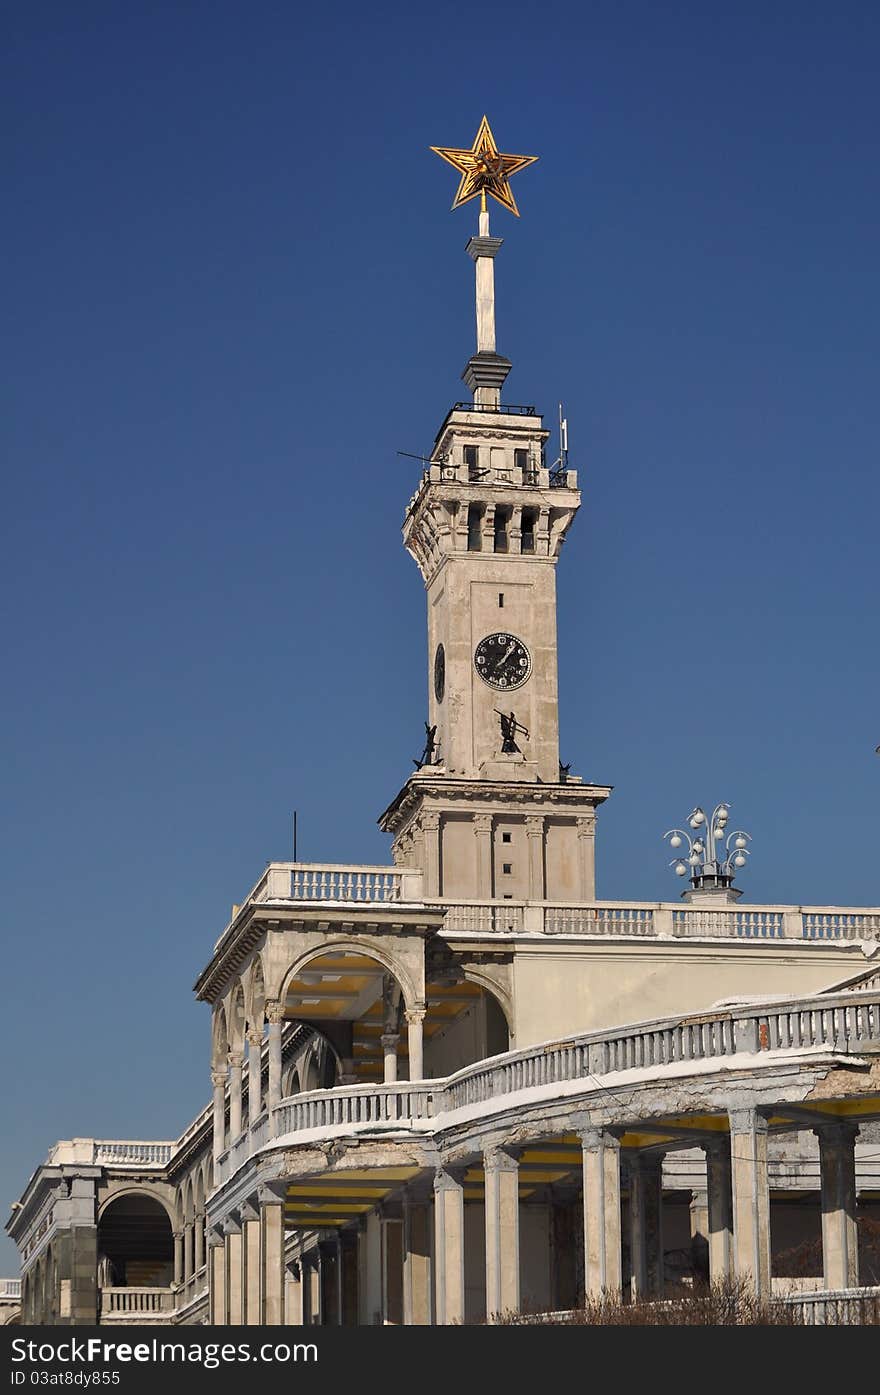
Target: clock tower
{"points": [[493, 815]]}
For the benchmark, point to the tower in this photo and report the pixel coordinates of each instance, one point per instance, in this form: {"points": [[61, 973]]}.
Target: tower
{"points": [[494, 816]]}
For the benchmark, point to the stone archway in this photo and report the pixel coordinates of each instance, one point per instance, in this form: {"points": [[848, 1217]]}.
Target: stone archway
{"points": [[135, 1243], [464, 1023], [351, 997]]}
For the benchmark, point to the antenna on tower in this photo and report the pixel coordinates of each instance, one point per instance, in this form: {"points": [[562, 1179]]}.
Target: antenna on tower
{"points": [[560, 464]]}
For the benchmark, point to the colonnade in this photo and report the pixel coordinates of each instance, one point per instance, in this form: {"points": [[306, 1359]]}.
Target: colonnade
{"points": [[411, 1261], [227, 1080], [189, 1251], [246, 1264]]}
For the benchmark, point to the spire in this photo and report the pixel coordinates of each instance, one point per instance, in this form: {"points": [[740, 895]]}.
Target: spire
{"points": [[485, 170]]}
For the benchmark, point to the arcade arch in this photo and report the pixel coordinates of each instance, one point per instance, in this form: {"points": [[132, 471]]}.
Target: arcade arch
{"points": [[135, 1242]]}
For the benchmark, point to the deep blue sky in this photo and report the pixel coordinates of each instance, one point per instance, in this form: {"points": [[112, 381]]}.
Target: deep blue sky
{"points": [[234, 290]]}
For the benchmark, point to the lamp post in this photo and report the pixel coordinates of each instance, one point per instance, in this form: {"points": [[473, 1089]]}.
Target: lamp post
{"points": [[713, 856]]}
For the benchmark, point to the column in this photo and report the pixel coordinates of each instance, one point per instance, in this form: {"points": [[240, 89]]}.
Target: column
{"points": [[483, 836], [389, 1056], [255, 1073], [448, 1248], [275, 1016], [233, 1272], [719, 1205], [501, 1172], [586, 857], [178, 1257], [602, 1257], [293, 1296], [305, 1269], [188, 1252], [236, 1060], [340, 1290], [416, 1263], [253, 1266], [646, 1225], [272, 1248], [216, 1278], [327, 1270], [198, 1243], [316, 1305], [840, 1240], [698, 1210], [414, 1019], [751, 1199], [431, 841], [535, 838], [370, 1270], [218, 1083]]}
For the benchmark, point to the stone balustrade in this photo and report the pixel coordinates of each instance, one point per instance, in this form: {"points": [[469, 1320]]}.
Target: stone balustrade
{"points": [[665, 920], [192, 1292], [846, 1307], [351, 1105], [106, 1152], [840, 1024], [143, 1303], [342, 883], [332, 882], [484, 916], [10, 1288], [843, 1023]]}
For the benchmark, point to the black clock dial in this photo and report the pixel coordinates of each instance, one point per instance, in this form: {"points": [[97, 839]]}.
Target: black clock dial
{"points": [[502, 661], [439, 673]]}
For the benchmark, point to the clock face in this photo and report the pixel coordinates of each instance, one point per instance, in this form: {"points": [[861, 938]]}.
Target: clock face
{"points": [[439, 673], [502, 661]]}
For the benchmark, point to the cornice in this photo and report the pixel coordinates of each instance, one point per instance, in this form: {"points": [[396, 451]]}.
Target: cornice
{"points": [[264, 917], [486, 795]]}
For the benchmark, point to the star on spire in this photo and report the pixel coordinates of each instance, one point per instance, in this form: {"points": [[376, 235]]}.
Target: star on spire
{"points": [[484, 170]]}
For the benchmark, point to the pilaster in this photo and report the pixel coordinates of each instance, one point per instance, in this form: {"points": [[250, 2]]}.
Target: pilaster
{"points": [[482, 826], [535, 824]]}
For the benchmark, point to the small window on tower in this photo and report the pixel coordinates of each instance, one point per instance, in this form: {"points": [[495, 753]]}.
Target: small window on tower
{"points": [[502, 518], [472, 461], [529, 519], [505, 837], [507, 868], [500, 600], [475, 535], [521, 461]]}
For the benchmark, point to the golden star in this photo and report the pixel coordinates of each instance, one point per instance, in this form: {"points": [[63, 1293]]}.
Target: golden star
{"points": [[483, 169]]}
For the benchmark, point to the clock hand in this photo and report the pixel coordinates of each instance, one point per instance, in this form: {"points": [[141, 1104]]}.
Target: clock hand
{"points": [[504, 657]]}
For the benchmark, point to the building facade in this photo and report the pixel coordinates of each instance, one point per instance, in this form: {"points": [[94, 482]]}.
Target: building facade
{"points": [[460, 1085]]}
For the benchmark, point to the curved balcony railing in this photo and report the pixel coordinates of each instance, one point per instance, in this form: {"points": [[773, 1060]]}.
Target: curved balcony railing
{"points": [[842, 1023], [351, 1105]]}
